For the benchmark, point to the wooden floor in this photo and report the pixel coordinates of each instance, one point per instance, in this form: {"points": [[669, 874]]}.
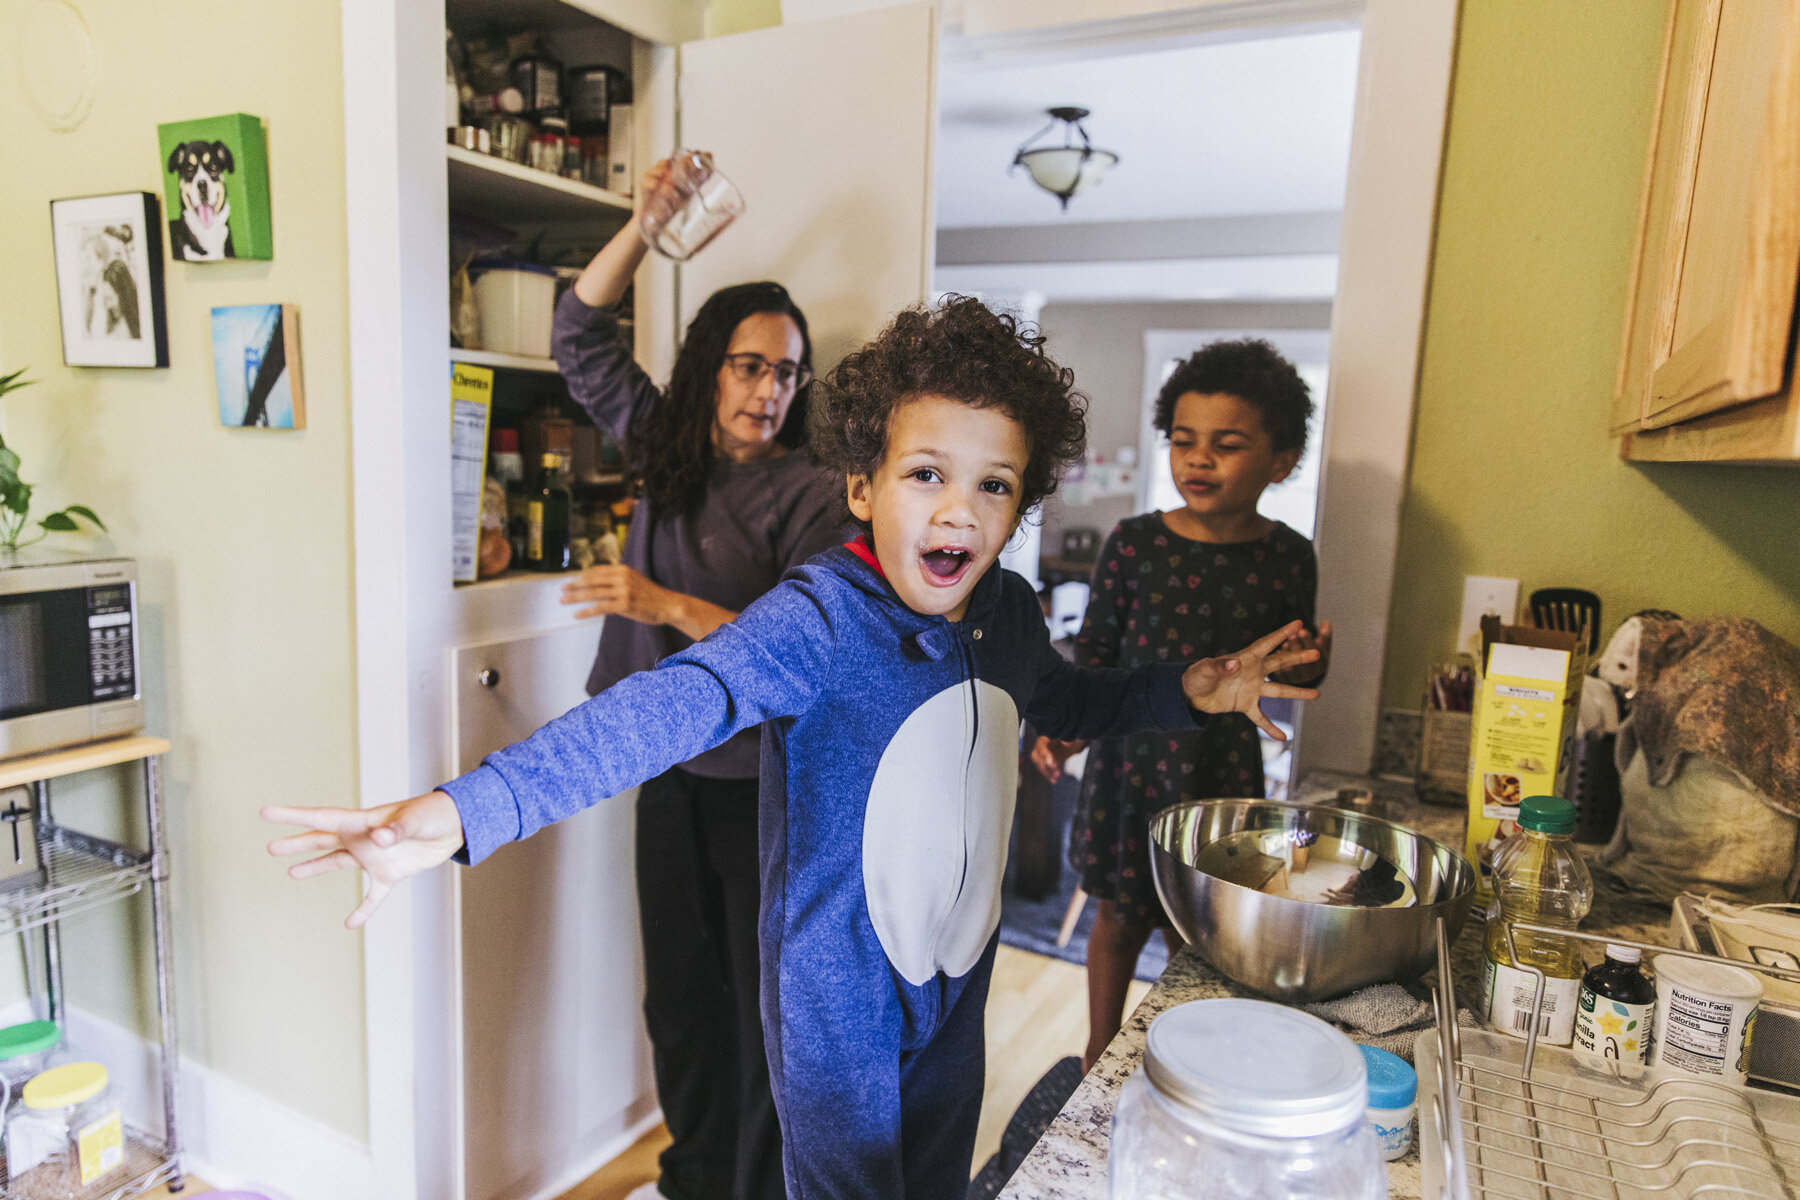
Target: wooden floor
{"points": [[1037, 1014]]}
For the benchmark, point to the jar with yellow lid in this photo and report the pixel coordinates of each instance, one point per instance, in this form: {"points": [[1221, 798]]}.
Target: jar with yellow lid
{"points": [[65, 1134]]}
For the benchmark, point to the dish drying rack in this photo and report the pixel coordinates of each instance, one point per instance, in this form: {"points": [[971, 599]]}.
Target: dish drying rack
{"points": [[1505, 1119]]}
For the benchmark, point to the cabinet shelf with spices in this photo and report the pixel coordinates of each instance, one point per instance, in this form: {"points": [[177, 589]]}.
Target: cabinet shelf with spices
{"points": [[77, 872]]}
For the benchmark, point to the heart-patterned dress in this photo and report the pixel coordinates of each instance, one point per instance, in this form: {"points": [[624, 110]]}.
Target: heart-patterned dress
{"points": [[1161, 597]]}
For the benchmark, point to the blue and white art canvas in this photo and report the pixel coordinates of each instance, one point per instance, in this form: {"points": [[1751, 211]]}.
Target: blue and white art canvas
{"points": [[256, 366]]}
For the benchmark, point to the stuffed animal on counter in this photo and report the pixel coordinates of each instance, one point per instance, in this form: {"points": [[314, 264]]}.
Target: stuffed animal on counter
{"points": [[1708, 758]]}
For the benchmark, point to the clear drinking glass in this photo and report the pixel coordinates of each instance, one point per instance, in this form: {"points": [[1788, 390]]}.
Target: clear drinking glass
{"points": [[689, 207]]}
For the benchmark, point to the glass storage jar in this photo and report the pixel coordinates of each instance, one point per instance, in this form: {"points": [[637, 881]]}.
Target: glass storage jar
{"points": [[1244, 1098], [66, 1134], [26, 1051]]}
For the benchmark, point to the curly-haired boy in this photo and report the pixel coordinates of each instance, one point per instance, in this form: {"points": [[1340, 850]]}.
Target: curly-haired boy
{"points": [[890, 676]]}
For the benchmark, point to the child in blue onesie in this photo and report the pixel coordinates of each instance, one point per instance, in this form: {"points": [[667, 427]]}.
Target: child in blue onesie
{"points": [[890, 676]]}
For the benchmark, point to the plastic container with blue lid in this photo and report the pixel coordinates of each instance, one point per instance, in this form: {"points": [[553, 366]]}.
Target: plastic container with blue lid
{"points": [[1393, 1100]]}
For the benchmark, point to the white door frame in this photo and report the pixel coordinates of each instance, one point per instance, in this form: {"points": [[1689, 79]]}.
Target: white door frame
{"points": [[1377, 334], [1378, 314]]}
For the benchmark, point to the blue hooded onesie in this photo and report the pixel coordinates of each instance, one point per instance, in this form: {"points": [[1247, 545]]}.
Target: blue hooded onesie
{"points": [[889, 770]]}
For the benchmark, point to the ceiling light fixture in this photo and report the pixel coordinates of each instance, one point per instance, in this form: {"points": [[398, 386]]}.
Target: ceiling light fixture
{"points": [[1069, 168]]}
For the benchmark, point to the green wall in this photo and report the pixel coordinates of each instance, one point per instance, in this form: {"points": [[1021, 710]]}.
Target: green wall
{"points": [[242, 537], [1513, 473]]}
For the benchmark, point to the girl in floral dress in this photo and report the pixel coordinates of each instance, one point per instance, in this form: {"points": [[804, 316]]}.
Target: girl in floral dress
{"points": [[1192, 582]]}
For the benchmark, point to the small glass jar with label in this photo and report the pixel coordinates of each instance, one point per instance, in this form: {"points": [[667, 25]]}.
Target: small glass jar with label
{"points": [[65, 1135]]}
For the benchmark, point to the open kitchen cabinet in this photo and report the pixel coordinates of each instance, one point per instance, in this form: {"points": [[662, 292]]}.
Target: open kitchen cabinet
{"points": [[1704, 372], [506, 1058]]}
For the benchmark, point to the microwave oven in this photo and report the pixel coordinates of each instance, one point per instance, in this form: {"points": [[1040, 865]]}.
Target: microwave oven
{"points": [[68, 651]]}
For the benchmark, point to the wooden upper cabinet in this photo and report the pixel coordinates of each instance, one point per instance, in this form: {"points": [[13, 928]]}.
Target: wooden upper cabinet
{"points": [[1711, 312]]}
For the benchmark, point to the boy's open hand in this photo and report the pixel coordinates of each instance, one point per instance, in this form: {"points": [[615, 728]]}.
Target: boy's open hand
{"points": [[1236, 682], [389, 843]]}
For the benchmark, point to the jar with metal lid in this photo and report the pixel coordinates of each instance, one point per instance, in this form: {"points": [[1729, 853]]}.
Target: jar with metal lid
{"points": [[65, 1134], [1244, 1098]]}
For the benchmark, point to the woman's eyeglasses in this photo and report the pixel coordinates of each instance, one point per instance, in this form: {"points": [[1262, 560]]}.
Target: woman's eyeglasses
{"points": [[749, 368]]}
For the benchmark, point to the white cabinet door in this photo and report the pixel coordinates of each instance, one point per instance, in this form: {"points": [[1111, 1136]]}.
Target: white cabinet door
{"points": [[555, 1064], [826, 128]]}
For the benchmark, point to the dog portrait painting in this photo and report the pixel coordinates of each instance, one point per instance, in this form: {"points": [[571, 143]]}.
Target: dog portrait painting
{"points": [[216, 188], [109, 262]]}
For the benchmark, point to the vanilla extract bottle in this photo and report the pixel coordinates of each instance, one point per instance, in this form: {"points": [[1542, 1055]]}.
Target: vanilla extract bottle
{"points": [[1614, 1010]]}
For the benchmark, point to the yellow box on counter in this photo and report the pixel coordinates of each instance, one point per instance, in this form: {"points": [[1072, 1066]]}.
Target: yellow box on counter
{"points": [[1522, 740]]}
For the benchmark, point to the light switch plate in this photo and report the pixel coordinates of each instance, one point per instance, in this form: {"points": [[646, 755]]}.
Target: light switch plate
{"points": [[1484, 595]]}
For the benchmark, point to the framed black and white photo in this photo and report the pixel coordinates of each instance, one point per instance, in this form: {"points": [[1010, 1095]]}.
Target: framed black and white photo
{"points": [[109, 280]]}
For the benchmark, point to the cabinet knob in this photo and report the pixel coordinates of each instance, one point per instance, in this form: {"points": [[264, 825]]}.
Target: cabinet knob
{"points": [[488, 678]]}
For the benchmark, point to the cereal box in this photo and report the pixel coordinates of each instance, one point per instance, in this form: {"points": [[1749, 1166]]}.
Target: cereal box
{"points": [[1522, 741]]}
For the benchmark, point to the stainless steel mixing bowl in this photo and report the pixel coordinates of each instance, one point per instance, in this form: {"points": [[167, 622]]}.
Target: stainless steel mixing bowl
{"points": [[1299, 950]]}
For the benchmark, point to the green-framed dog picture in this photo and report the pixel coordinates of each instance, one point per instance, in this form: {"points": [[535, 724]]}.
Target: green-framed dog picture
{"points": [[216, 188]]}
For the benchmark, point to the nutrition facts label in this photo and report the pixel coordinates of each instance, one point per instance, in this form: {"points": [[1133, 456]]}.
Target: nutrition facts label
{"points": [[1696, 1033]]}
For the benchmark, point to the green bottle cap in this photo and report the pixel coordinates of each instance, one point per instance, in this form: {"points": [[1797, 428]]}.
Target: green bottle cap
{"points": [[1547, 814], [32, 1037]]}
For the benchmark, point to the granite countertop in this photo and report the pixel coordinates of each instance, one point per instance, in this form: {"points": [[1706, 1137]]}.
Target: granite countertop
{"points": [[1069, 1161]]}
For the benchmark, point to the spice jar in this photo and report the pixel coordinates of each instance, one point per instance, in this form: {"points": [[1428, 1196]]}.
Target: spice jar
{"points": [[553, 138], [1244, 1098], [65, 1134]]}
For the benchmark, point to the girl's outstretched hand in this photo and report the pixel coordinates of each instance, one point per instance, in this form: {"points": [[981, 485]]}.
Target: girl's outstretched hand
{"points": [[389, 843], [1236, 682]]}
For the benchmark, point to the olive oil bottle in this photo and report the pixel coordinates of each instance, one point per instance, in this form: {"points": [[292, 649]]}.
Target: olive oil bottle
{"points": [[547, 518], [1541, 879]]}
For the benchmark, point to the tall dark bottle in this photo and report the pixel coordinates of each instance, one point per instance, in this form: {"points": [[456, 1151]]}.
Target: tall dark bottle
{"points": [[547, 518]]}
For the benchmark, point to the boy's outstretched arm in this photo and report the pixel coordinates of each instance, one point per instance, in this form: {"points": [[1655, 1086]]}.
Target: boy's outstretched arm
{"points": [[1236, 682], [763, 665], [390, 843]]}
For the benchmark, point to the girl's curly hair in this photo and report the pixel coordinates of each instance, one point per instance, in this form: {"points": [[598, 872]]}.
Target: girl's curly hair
{"points": [[670, 446], [961, 351], [1253, 371]]}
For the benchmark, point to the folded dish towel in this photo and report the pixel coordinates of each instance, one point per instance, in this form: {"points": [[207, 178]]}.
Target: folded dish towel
{"points": [[1727, 690], [1384, 1015]]}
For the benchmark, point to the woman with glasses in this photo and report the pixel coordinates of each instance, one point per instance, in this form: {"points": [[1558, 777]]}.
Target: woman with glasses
{"points": [[730, 501]]}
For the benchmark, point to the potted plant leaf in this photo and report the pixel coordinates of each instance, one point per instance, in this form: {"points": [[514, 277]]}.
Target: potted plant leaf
{"points": [[15, 493]]}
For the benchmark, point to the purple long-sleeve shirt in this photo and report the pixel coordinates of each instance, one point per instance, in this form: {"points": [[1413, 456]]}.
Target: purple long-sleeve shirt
{"points": [[754, 522]]}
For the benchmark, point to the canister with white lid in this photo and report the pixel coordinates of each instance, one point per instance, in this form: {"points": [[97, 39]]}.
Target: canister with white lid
{"points": [[66, 1134], [1393, 1100], [1705, 1016], [1244, 1098]]}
